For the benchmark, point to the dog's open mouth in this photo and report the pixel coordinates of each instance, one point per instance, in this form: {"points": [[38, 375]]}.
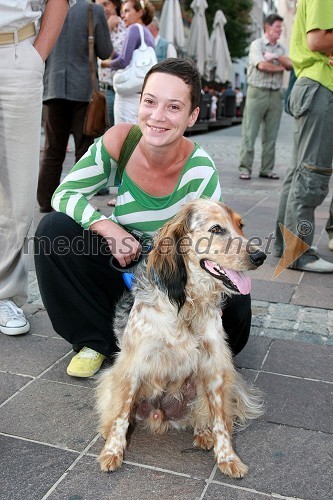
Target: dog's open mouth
{"points": [[233, 280]]}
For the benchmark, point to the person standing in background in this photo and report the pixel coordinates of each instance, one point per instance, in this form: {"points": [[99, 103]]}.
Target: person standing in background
{"points": [[163, 48], [132, 12], [311, 103], [263, 106], [239, 101], [28, 33], [117, 34], [67, 90]]}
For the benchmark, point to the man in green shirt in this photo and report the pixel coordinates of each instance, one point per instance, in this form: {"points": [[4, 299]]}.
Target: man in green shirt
{"points": [[311, 103]]}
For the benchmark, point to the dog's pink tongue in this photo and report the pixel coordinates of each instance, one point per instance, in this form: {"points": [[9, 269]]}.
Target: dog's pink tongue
{"points": [[242, 282]]}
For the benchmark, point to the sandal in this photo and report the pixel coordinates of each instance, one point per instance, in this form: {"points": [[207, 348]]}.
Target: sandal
{"points": [[270, 176], [244, 176]]}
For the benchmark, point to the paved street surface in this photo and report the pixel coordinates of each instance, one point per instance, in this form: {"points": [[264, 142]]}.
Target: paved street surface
{"points": [[48, 437]]}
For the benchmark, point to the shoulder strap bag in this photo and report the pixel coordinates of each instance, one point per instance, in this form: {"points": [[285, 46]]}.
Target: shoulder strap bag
{"points": [[97, 116], [130, 143], [128, 81]]}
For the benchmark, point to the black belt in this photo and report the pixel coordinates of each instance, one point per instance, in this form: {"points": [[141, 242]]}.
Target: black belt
{"points": [[105, 86]]}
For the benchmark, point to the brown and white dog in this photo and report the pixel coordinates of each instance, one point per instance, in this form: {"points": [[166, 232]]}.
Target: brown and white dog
{"points": [[175, 368]]}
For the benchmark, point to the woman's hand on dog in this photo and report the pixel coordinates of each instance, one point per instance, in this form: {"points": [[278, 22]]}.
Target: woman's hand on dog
{"points": [[127, 249], [123, 246]]}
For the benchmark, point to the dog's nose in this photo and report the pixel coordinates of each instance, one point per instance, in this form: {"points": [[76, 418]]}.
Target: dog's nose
{"points": [[257, 258]]}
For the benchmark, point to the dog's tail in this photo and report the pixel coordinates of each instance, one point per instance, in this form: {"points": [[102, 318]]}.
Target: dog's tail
{"points": [[248, 403]]}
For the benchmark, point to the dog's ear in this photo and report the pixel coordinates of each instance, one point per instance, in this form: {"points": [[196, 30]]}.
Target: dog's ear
{"points": [[167, 261]]}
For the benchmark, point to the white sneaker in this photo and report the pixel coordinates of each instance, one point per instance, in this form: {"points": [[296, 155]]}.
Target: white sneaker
{"points": [[12, 319]]}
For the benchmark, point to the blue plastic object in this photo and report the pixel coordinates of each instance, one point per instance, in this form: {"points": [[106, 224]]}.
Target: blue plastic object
{"points": [[127, 276], [128, 279]]}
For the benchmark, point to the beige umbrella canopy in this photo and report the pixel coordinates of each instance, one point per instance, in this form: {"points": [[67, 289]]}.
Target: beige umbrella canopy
{"points": [[198, 44], [221, 60], [171, 24]]}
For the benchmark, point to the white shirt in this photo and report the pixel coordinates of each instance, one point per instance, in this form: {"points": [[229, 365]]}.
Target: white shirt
{"points": [[15, 14]]}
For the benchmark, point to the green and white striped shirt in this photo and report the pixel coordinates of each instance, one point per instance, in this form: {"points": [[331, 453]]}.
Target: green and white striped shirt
{"points": [[135, 209]]}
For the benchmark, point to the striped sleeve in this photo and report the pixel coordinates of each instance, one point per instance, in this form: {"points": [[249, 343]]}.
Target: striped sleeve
{"points": [[201, 177], [91, 173]]}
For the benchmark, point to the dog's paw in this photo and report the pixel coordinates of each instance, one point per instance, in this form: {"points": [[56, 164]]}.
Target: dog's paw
{"points": [[110, 461], [232, 466], [204, 439]]}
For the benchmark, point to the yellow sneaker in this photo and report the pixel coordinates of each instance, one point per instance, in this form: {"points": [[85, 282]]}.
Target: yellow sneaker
{"points": [[86, 363]]}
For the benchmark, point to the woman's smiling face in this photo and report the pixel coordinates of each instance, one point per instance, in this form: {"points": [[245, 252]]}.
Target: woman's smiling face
{"points": [[165, 109]]}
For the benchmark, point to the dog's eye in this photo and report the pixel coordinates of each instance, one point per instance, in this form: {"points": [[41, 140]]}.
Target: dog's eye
{"points": [[217, 229]]}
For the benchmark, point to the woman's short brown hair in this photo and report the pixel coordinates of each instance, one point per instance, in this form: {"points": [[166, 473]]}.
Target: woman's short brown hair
{"points": [[186, 70]]}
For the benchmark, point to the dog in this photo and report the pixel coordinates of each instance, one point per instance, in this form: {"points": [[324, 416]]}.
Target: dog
{"points": [[175, 368]]}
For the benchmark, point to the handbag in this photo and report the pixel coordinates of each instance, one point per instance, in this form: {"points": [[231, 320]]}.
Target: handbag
{"points": [[97, 117], [129, 80]]}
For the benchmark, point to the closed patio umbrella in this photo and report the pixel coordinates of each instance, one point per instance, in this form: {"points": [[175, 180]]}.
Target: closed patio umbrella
{"points": [[171, 24], [221, 60], [198, 43]]}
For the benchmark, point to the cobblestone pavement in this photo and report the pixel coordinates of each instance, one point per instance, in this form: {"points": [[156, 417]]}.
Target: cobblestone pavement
{"points": [[48, 437]]}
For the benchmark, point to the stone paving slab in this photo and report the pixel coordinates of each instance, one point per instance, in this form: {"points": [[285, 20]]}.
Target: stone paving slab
{"points": [[279, 292], [218, 491], [10, 384], [309, 405], [255, 353], [57, 373], [300, 360], [172, 451], [30, 354], [86, 482], [40, 322], [28, 469], [292, 322], [287, 461], [309, 295], [60, 414]]}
